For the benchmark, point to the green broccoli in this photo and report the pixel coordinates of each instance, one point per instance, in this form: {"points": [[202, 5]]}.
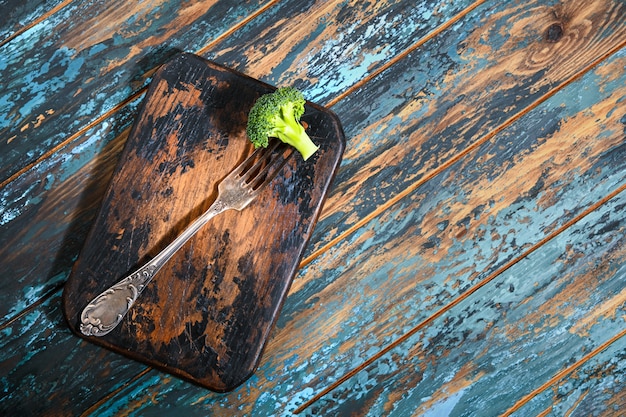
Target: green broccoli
{"points": [[277, 115]]}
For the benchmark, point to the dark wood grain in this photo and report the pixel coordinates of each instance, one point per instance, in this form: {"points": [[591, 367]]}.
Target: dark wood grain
{"points": [[209, 311]]}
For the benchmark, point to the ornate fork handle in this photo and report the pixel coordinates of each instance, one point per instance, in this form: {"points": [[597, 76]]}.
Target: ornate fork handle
{"points": [[242, 185], [108, 309]]}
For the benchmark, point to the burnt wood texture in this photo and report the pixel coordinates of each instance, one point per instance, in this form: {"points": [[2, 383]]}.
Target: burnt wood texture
{"points": [[468, 260], [208, 313]]}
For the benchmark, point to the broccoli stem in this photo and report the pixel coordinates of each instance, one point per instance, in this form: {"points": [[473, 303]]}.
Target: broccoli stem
{"points": [[307, 147], [293, 133]]}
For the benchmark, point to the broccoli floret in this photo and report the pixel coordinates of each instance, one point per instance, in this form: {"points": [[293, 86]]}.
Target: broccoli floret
{"points": [[277, 115]]}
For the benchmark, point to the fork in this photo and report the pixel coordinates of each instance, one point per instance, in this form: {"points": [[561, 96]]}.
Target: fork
{"points": [[240, 187]]}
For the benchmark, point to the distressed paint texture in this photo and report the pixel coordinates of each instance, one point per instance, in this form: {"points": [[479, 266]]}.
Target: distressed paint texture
{"points": [[476, 130], [598, 387], [86, 70], [474, 358], [422, 112], [19, 15], [332, 45]]}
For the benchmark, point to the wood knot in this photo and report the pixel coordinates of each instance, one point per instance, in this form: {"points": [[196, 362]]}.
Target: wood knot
{"points": [[554, 32]]}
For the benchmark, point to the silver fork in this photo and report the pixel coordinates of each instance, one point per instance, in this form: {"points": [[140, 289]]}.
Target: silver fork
{"points": [[236, 191]]}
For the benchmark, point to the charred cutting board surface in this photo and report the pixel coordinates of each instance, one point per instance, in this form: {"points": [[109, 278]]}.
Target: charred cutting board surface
{"points": [[208, 313]]}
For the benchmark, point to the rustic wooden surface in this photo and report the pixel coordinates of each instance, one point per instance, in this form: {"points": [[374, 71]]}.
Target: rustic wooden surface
{"points": [[468, 261]]}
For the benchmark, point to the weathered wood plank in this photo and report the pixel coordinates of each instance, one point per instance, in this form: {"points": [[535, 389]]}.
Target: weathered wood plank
{"points": [[497, 206], [54, 198], [332, 45], [596, 388], [432, 247], [460, 87], [86, 69], [47, 212], [45, 370], [508, 338], [18, 15]]}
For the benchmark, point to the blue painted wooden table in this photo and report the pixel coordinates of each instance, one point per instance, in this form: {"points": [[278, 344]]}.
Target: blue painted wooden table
{"points": [[469, 259]]}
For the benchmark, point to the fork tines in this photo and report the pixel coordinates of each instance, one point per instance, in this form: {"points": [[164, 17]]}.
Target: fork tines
{"points": [[264, 164]]}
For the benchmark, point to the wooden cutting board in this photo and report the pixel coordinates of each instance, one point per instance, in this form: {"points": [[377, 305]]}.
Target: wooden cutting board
{"points": [[208, 313]]}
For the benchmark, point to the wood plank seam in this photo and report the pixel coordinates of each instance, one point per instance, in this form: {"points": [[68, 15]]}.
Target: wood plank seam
{"points": [[112, 394], [383, 207], [237, 26], [25, 311], [464, 296], [35, 22], [576, 403], [545, 412], [82, 131], [332, 102], [234, 28], [403, 54], [563, 373], [129, 99]]}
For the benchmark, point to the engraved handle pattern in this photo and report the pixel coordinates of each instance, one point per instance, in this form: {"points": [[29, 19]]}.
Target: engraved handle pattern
{"points": [[108, 309]]}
